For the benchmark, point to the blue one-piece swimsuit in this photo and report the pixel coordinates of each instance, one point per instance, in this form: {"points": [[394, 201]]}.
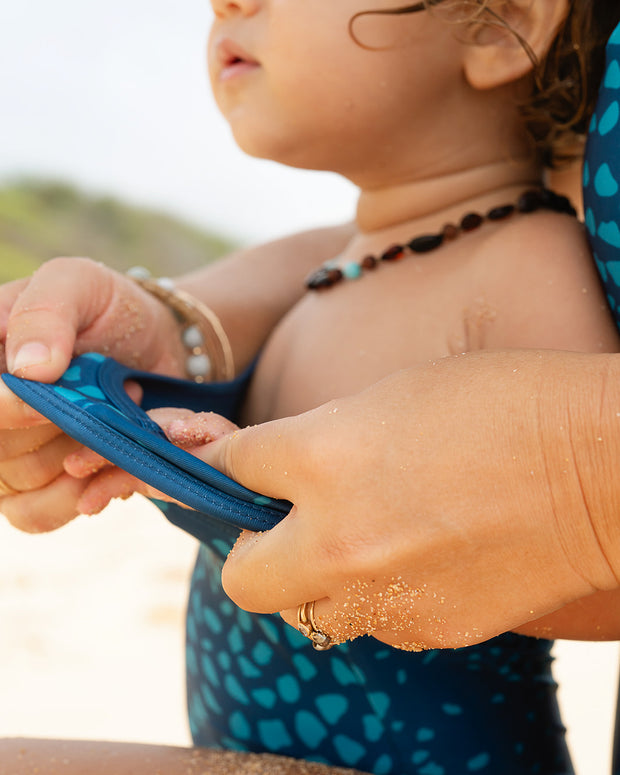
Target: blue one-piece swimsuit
{"points": [[601, 190], [256, 684], [601, 177]]}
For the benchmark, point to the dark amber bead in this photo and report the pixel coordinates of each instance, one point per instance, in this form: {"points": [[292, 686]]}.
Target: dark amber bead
{"points": [[369, 262], [499, 213], [393, 253], [471, 221], [529, 201], [450, 231], [323, 278], [425, 243]]}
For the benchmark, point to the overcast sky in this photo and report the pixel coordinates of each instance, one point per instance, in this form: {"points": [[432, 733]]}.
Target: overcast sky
{"points": [[113, 95]]}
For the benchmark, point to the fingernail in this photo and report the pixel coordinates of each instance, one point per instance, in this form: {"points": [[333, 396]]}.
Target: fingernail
{"points": [[31, 354]]}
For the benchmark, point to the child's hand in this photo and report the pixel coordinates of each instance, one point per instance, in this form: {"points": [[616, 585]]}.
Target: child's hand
{"points": [[187, 429]]}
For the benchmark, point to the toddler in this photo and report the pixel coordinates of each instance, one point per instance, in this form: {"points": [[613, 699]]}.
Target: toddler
{"points": [[445, 114]]}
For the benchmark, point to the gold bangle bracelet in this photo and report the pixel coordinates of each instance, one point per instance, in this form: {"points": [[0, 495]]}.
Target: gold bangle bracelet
{"points": [[210, 355]]}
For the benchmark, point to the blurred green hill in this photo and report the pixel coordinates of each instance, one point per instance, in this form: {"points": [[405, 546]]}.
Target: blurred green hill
{"points": [[43, 219]]}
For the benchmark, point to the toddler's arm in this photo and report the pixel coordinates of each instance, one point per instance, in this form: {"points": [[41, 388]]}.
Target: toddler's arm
{"points": [[74, 305], [596, 617], [252, 289]]}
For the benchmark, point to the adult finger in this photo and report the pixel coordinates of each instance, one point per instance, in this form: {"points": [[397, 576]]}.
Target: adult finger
{"points": [[72, 305], [111, 483], [286, 459], [37, 468], [386, 611], [45, 509], [15, 413], [8, 295], [17, 442], [63, 297]]}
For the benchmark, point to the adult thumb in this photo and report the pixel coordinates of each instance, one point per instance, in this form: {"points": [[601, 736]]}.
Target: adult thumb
{"points": [[289, 459], [42, 322], [264, 458]]}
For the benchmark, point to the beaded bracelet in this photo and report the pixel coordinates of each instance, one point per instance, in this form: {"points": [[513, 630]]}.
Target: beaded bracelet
{"points": [[210, 356]]}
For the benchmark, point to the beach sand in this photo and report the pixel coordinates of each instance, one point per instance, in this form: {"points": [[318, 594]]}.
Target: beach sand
{"points": [[91, 638]]}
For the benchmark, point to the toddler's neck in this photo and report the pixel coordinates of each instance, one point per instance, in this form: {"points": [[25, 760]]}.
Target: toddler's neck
{"points": [[415, 200]]}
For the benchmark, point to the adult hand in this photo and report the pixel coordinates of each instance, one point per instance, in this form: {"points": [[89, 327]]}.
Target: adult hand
{"points": [[444, 505], [67, 307], [187, 429]]}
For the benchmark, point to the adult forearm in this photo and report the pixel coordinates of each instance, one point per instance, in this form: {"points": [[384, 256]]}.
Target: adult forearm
{"points": [[579, 411]]}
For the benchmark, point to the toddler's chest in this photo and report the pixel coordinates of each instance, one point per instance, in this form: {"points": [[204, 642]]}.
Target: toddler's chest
{"points": [[341, 340]]}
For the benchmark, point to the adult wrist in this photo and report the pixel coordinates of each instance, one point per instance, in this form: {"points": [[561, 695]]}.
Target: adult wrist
{"points": [[580, 429]]}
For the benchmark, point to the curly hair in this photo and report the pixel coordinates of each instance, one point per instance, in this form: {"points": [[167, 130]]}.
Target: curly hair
{"points": [[565, 81]]}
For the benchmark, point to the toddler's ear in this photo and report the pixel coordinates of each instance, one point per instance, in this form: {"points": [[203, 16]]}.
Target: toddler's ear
{"points": [[505, 37]]}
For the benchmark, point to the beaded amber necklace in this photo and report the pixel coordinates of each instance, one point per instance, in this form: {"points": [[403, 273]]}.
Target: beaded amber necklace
{"points": [[529, 202]]}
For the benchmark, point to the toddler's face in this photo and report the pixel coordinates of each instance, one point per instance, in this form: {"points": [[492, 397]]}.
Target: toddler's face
{"points": [[296, 87]]}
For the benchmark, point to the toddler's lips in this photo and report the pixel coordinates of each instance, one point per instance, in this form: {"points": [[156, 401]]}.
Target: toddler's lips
{"points": [[233, 60]]}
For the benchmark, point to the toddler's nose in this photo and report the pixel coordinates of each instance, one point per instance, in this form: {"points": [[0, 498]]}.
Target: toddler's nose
{"points": [[225, 8]]}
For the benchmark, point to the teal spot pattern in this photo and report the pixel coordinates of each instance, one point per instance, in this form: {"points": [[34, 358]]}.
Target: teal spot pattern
{"points": [[274, 734], [419, 757], [73, 374], [450, 709], [423, 735], [613, 269], [612, 75], [235, 689], [351, 751], [266, 698], [332, 707], [380, 701], [373, 728], [602, 268], [604, 182], [609, 232], [235, 639], [609, 120], [248, 670], [92, 391], [288, 688], [304, 667], [240, 726], [601, 187], [310, 729], [479, 763], [383, 765], [432, 768]]}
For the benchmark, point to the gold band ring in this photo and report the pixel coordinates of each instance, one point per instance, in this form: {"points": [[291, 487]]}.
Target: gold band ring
{"points": [[307, 627], [6, 489]]}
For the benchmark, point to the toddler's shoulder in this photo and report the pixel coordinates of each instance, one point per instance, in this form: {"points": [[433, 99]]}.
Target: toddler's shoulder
{"points": [[538, 242], [538, 273]]}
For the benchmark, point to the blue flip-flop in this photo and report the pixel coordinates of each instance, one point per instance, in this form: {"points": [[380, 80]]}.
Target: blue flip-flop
{"points": [[90, 404]]}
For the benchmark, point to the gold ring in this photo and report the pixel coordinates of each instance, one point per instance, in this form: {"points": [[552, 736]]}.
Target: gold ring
{"points": [[307, 627], [6, 489]]}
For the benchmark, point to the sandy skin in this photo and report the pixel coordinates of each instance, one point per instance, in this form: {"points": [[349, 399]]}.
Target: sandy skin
{"points": [[22, 756]]}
